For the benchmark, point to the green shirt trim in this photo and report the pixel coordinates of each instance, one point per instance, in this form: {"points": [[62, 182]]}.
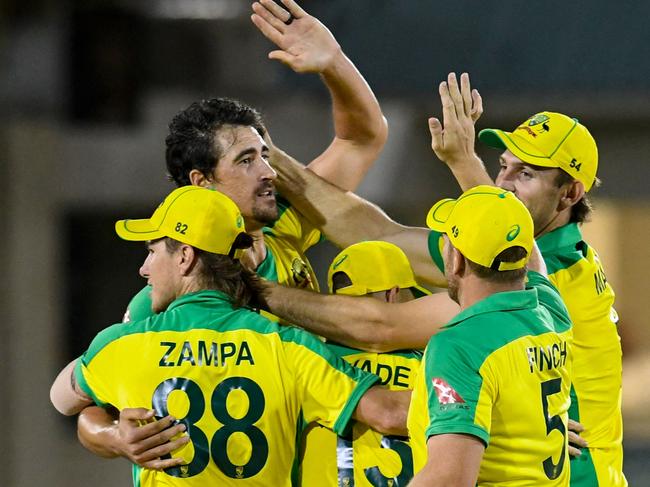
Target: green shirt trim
{"points": [[267, 269], [454, 428], [363, 385], [562, 247], [434, 249]]}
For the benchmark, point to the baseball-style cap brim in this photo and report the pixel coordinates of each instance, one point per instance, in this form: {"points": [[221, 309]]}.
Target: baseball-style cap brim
{"points": [[439, 214], [519, 146], [419, 291], [137, 230]]}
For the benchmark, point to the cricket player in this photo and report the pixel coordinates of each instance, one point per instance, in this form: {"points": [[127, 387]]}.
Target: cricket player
{"points": [[235, 380], [219, 144], [490, 406], [363, 457]]}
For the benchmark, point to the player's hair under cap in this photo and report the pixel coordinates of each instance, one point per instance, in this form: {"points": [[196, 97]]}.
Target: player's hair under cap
{"points": [[550, 139], [200, 217], [373, 266], [483, 222]]}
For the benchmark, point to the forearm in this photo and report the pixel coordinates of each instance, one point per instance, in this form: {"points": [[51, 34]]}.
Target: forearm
{"points": [[354, 322], [97, 430], [384, 411], [356, 111], [343, 217], [470, 172]]}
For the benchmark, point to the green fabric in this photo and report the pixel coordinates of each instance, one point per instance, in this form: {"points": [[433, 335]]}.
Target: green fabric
{"points": [[583, 472], [434, 250], [267, 269], [461, 347], [562, 247]]}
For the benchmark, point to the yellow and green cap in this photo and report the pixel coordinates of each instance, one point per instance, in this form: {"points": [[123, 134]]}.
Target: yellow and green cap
{"points": [[373, 266], [550, 139], [200, 217], [483, 222]]}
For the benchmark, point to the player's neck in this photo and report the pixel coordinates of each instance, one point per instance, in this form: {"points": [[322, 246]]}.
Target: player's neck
{"points": [[475, 289], [559, 220]]}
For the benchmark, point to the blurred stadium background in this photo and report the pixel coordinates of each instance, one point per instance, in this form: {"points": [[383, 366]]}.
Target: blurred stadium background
{"points": [[88, 87]]}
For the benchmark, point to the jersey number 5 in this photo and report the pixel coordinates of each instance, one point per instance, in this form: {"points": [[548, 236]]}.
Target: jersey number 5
{"points": [[217, 446], [549, 388]]}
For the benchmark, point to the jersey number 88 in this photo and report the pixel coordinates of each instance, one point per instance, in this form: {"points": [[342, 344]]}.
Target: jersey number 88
{"points": [[217, 446]]}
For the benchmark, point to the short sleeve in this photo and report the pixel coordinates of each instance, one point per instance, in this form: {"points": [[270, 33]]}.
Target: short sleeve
{"points": [[329, 388], [139, 307], [454, 390]]}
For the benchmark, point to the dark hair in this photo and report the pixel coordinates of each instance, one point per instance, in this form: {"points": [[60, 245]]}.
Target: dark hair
{"points": [[340, 280], [191, 143], [226, 274], [511, 254], [581, 211]]}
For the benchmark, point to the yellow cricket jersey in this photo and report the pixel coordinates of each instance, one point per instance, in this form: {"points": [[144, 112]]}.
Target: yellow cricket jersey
{"points": [[361, 456], [500, 371], [239, 382], [576, 271]]}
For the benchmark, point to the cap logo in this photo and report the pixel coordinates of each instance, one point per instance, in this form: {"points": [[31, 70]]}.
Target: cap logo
{"points": [[537, 119], [455, 231], [446, 394], [527, 129], [240, 221], [512, 234], [181, 228], [339, 262]]}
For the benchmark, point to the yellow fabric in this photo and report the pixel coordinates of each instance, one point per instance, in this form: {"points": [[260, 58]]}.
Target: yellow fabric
{"points": [[373, 266], [589, 299], [288, 240], [501, 220], [240, 388], [385, 456], [550, 139], [203, 218]]}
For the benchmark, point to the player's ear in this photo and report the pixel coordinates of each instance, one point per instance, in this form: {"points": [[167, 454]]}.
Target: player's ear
{"points": [[187, 259], [571, 194], [197, 178], [457, 262]]}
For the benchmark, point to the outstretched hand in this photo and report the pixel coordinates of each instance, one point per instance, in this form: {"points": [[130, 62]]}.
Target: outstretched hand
{"points": [[305, 45], [453, 140]]}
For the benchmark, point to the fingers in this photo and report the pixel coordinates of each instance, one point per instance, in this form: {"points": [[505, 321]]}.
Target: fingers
{"points": [[454, 93], [161, 444], [273, 22], [280, 14], [295, 9], [154, 433], [448, 109], [575, 426], [270, 32], [577, 440], [159, 464], [435, 128], [477, 106], [466, 93], [282, 56], [137, 414], [574, 452]]}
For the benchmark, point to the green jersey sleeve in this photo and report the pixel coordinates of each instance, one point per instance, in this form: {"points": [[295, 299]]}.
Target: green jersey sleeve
{"points": [[139, 307], [454, 386]]}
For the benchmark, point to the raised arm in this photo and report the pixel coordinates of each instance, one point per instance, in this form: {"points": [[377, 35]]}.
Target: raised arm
{"points": [[361, 322], [345, 218], [453, 139], [307, 46]]}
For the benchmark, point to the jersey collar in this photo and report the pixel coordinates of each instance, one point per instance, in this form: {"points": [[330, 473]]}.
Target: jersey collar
{"points": [[565, 236], [504, 301], [215, 298]]}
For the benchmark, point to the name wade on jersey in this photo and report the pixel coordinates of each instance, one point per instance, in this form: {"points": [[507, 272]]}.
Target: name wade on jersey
{"points": [[203, 353]]}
